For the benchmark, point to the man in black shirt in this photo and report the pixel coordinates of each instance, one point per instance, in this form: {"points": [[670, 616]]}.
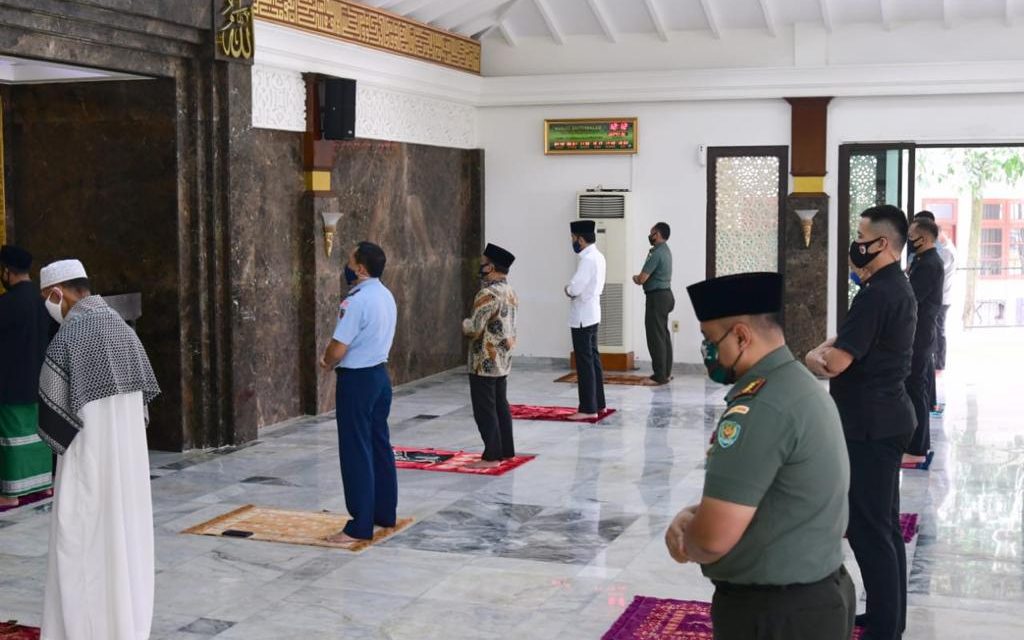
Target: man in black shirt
{"points": [[868, 363], [926, 277]]}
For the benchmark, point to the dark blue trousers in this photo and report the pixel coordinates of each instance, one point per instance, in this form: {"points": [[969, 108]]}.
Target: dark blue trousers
{"points": [[364, 446]]}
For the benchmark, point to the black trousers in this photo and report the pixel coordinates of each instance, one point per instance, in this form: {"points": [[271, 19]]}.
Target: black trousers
{"points": [[493, 416], [920, 385], [940, 333], [659, 341], [588, 369], [823, 610], [874, 533]]}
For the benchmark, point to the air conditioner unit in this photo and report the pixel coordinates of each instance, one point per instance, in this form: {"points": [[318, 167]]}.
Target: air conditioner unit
{"points": [[611, 211]]}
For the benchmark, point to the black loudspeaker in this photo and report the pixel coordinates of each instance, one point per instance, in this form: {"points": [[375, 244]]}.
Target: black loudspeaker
{"points": [[338, 108]]}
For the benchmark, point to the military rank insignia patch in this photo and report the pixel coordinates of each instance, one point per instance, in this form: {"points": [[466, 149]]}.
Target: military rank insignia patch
{"points": [[728, 433], [752, 388], [740, 409]]}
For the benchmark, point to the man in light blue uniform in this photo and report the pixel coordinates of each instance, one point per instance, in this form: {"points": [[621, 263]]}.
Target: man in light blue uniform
{"points": [[359, 353]]}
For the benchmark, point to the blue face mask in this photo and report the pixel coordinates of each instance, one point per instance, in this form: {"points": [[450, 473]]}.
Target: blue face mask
{"points": [[350, 275], [576, 246], [854, 278]]}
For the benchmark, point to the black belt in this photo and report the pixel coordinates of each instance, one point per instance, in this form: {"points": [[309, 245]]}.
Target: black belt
{"points": [[647, 293], [732, 586]]}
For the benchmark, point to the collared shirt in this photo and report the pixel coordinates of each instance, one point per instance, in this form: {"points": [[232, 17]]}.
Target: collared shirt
{"points": [[24, 333], [366, 324], [491, 328], [658, 267], [779, 447], [926, 277], [879, 333], [586, 287]]}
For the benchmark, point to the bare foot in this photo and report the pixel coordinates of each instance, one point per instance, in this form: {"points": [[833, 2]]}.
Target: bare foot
{"points": [[8, 502], [581, 416], [909, 459], [343, 539], [484, 464]]}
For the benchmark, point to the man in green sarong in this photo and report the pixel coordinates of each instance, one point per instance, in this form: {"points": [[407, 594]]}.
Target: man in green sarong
{"points": [[26, 465]]}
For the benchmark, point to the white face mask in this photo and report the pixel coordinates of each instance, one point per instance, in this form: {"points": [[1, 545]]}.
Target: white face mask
{"points": [[54, 308]]}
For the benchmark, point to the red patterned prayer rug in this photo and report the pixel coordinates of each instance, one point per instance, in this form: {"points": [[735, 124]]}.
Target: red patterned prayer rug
{"points": [[923, 466], [29, 499], [667, 619], [908, 525], [12, 631], [452, 461], [558, 414]]}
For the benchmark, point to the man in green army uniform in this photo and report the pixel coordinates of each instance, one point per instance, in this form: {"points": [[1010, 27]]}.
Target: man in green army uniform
{"points": [[768, 530]]}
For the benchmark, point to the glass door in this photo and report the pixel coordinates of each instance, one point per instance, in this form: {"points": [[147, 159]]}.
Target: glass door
{"points": [[869, 175]]}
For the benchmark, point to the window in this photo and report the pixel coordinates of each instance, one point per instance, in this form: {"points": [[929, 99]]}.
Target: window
{"points": [[945, 215], [1002, 239]]}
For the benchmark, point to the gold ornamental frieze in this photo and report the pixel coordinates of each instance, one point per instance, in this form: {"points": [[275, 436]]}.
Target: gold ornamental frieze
{"points": [[367, 26]]}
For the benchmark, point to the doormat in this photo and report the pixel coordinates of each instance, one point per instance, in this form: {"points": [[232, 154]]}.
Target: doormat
{"points": [[612, 378], [38, 496], [557, 414], [427, 459], [658, 618], [292, 527], [923, 466], [13, 631]]}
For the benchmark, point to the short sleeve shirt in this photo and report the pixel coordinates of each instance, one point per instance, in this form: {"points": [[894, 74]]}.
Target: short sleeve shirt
{"points": [[779, 447], [659, 268], [879, 333], [366, 324]]}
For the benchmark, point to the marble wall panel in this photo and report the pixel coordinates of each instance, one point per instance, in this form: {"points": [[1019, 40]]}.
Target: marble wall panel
{"points": [[91, 174], [806, 274]]}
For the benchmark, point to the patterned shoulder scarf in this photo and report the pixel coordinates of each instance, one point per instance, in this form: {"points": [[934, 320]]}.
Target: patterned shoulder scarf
{"points": [[95, 355]]}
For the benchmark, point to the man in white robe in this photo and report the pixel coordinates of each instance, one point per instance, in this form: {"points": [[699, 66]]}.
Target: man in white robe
{"points": [[94, 387]]}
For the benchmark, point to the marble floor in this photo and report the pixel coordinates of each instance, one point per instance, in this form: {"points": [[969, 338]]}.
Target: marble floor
{"points": [[554, 549]]}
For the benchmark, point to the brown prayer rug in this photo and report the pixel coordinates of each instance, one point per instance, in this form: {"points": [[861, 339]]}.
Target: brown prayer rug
{"points": [[611, 378], [291, 527]]}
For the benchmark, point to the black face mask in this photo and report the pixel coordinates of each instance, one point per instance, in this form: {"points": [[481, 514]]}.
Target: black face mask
{"points": [[859, 254], [915, 245], [652, 239]]}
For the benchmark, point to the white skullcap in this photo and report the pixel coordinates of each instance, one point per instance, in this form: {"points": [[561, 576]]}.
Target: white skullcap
{"points": [[61, 271]]}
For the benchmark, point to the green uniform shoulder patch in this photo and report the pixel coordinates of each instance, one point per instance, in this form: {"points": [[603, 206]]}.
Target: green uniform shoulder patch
{"points": [[728, 433]]}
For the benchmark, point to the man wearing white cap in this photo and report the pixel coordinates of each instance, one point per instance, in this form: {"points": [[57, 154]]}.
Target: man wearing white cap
{"points": [[94, 387]]}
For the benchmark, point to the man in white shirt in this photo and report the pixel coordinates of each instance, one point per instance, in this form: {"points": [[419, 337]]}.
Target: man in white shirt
{"points": [[584, 292]]}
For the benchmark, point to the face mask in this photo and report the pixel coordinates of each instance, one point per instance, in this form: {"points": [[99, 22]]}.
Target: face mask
{"points": [[350, 275], [576, 246], [859, 254], [855, 279], [915, 245], [716, 370], [484, 271], [651, 239], [54, 308]]}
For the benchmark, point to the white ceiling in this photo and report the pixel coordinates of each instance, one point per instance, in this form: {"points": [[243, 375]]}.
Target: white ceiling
{"points": [[562, 20], [24, 71]]}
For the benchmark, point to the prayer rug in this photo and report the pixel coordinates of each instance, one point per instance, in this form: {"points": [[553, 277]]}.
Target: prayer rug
{"points": [[292, 527], [12, 631], [923, 466], [558, 414], [38, 496], [452, 461], [611, 378], [908, 525], [660, 618]]}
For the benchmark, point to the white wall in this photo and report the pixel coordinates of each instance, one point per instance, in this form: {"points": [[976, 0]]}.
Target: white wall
{"points": [[530, 199]]}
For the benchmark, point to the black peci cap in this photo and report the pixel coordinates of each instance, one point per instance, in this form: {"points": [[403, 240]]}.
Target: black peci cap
{"points": [[580, 227], [741, 294], [15, 257], [499, 256]]}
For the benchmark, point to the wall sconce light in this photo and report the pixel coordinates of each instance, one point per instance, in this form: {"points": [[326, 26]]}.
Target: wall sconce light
{"points": [[330, 228], [806, 220]]}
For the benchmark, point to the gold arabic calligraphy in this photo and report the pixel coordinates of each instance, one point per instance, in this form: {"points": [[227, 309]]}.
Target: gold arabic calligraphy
{"points": [[235, 38]]}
